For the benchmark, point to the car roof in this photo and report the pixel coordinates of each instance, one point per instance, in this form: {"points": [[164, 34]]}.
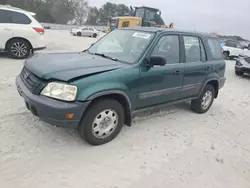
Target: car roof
{"points": [[16, 9], [156, 29], [86, 27]]}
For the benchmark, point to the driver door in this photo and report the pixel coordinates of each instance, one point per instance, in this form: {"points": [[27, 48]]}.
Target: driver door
{"points": [[162, 84]]}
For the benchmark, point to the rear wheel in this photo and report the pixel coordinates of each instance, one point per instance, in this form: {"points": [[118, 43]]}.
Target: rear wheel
{"points": [[94, 35], [102, 122], [205, 101], [79, 34], [18, 49]]}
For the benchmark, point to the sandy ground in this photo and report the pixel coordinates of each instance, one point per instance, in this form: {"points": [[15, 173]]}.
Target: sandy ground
{"points": [[171, 147]]}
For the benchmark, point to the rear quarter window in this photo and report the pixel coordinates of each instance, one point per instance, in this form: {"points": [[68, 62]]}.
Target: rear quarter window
{"points": [[215, 48], [18, 18]]}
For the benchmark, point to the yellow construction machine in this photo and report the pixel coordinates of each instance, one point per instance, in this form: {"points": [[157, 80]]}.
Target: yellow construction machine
{"points": [[141, 17]]}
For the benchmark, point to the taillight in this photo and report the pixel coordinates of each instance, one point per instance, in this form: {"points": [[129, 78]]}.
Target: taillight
{"points": [[39, 30]]}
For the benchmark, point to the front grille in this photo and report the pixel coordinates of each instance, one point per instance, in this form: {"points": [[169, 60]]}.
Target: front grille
{"points": [[247, 59], [31, 81]]}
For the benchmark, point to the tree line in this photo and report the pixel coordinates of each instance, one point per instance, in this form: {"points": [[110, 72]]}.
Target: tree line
{"points": [[71, 11]]}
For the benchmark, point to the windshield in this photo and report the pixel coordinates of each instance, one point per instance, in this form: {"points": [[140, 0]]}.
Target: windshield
{"points": [[124, 45], [139, 12], [150, 15]]}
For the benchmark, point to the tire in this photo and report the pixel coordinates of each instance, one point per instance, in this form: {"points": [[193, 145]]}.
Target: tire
{"points": [[238, 73], [79, 34], [18, 49], [94, 35], [91, 128], [226, 55], [199, 105]]}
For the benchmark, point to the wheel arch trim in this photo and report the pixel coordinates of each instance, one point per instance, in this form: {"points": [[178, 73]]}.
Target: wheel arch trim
{"points": [[110, 92], [13, 38], [207, 81], [128, 120]]}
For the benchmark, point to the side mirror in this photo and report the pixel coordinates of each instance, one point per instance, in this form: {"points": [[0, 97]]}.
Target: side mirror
{"points": [[157, 60]]}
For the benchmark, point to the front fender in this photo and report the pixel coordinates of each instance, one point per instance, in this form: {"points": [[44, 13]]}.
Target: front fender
{"points": [[104, 89], [100, 89]]}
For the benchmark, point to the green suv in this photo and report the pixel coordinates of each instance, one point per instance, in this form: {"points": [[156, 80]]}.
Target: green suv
{"points": [[98, 90]]}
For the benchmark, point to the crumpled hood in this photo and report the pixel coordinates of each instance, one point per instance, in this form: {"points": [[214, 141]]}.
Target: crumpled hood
{"points": [[66, 66]]}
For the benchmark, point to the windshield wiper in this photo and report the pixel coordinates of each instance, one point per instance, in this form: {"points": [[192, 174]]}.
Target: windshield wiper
{"points": [[105, 56]]}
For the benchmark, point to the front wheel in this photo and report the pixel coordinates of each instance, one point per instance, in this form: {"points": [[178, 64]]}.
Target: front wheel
{"points": [[79, 34], [94, 35], [205, 101], [102, 122]]}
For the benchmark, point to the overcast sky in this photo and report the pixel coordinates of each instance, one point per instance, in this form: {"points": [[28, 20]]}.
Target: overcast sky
{"points": [[222, 16]]}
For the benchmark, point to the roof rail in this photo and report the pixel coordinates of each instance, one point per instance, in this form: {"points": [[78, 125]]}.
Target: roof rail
{"points": [[16, 8]]}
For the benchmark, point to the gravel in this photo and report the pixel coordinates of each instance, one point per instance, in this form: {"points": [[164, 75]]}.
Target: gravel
{"points": [[170, 147]]}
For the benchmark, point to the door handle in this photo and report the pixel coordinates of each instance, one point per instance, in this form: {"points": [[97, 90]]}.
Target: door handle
{"points": [[177, 72]]}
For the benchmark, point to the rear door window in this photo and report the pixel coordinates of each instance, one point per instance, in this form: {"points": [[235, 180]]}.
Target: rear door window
{"points": [[215, 48], [192, 49], [2, 17], [18, 18], [232, 44]]}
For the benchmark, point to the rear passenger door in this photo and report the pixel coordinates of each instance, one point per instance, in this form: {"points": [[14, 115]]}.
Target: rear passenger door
{"points": [[91, 31], [20, 25], [5, 30], [196, 68], [85, 31]]}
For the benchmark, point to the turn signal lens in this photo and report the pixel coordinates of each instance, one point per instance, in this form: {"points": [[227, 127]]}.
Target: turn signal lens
{"points": [[69, 116]]}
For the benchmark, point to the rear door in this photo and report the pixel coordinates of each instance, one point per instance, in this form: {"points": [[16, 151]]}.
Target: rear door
{"points": [[20, 25], [5, 29], [85, 31], [91, 31], [196, 68]]}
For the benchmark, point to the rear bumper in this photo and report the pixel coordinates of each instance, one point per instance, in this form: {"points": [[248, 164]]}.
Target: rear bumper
{"points": [[50, 110], [40, 48], [38, 43]]}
